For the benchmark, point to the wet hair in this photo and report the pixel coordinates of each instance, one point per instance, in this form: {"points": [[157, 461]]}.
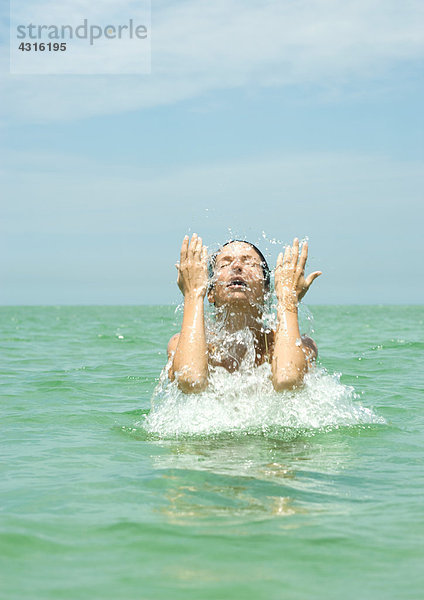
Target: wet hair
{"points": [[265, 268]]}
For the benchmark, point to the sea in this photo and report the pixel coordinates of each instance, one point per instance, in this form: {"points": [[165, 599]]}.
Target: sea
{"points": [[115, 485]]}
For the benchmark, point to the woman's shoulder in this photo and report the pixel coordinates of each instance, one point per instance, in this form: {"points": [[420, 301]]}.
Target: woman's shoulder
{"points": [[173, 343], [310, 343]]}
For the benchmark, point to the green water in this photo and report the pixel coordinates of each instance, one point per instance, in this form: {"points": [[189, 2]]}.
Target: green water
{"points": [[92, 506]]}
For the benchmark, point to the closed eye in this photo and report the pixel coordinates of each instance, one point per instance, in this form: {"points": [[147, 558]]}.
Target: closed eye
{"points": [[224, 263], [250, 262]]}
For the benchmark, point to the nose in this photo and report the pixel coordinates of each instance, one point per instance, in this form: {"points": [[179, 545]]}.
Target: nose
{"points": [[237, 266]]}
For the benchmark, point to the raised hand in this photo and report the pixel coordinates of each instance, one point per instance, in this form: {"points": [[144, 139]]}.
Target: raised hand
{"points": [[193, 267], [290, 282]]}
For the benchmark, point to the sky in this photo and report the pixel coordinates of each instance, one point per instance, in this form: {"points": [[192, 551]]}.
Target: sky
{"points": [[262, 120]]}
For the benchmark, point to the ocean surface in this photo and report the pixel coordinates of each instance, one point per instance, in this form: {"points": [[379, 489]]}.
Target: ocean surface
{"points": [[316, 494]]}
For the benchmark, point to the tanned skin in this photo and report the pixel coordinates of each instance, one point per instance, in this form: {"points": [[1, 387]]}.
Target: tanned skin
{"points": [[238, 292]]}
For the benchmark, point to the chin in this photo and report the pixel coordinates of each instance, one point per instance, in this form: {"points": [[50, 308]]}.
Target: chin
{"points": [[238, 301]]}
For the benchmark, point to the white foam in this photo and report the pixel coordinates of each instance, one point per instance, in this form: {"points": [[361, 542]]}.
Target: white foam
{"points": [[246, 400]]}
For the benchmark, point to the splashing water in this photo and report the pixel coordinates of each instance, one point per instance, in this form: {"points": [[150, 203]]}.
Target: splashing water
{"points": [[245, 401]]}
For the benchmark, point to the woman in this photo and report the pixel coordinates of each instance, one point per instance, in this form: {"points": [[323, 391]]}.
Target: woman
{"points": [[238, 287]]}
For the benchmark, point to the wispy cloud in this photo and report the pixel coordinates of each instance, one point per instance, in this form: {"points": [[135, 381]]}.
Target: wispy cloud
{"points": [[200, 46]]}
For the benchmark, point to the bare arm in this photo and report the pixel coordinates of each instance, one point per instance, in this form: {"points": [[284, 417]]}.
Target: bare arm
{"points": [[291, 356], [190, 361]]}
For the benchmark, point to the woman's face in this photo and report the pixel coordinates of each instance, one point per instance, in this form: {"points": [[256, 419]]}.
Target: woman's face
{"points": [[238, 277]]}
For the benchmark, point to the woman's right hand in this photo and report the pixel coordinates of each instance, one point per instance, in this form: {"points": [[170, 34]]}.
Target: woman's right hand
{"points": [[193, 267]]}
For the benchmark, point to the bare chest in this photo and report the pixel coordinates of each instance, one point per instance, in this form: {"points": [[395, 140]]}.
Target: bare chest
{"points": [[233, 356]]}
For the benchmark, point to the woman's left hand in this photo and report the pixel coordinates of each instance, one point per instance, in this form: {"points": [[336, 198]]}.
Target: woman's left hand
{"points": [[290, 282]]}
